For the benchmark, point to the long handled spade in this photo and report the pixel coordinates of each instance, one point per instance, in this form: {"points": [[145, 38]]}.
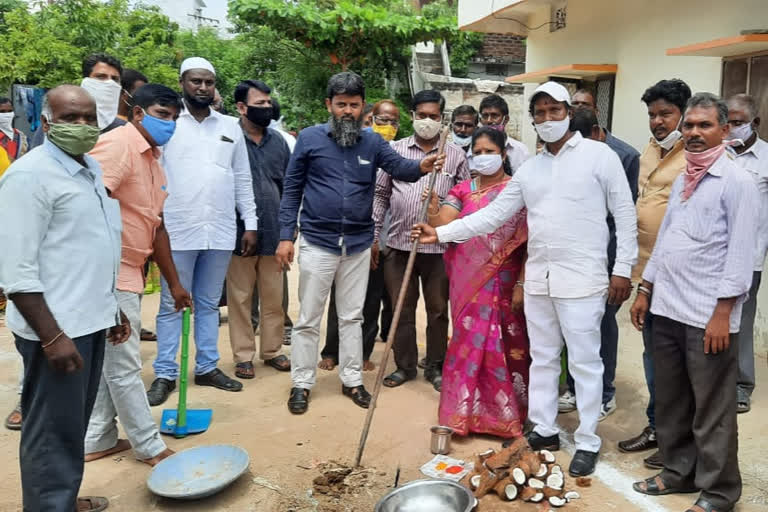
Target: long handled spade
{"points": [[182, 421], [398, 309]]}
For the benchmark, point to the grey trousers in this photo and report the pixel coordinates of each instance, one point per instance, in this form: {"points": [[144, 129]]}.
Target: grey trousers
{"points": [[56, 409], [696, 412], [122, 394], [746, 341]]}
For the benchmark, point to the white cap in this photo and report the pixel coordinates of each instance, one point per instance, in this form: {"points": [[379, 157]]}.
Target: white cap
{"points": [[554, 89], [196, 63]]}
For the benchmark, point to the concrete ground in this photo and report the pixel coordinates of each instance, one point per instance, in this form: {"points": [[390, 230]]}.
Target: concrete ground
{"points": [[285, 450]]}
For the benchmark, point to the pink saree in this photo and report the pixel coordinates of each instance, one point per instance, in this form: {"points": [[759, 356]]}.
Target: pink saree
{"points": [[485, 375]]}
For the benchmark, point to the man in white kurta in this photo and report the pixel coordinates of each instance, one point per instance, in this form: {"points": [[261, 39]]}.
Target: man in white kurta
{"points": [[569, 190]]}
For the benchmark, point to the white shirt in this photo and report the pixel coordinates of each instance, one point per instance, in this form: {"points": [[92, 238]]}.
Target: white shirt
{"points": [[289, 139], [568, 196], [755, 161], [60, 237], [208, 177]]}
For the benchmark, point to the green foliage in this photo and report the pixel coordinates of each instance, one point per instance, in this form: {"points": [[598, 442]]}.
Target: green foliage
{"points": [[461, 48]]}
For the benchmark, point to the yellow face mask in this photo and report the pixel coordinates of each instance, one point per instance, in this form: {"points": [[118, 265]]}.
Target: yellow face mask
{"points": [[387, 131]]}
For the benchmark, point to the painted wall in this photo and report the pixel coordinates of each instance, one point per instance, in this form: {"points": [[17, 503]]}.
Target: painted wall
{"points": [[635, 34]]}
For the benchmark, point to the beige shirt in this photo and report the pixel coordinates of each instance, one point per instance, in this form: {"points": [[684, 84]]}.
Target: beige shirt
{"points": [[654, 185]]}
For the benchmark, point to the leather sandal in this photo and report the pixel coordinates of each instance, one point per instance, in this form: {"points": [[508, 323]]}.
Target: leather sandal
{"points": [[219, 380], [280, 363], [92, 504], [652, 487], [358, 394], [10, 424], [244, 370], [706, 506], [396, 378], [298, 402]]}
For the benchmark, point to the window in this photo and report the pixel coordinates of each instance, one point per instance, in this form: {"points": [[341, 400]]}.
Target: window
{"points": [[748, 74]]}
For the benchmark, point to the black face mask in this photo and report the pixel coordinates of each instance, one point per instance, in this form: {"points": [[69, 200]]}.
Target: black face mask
{"points": [[260, 116]]}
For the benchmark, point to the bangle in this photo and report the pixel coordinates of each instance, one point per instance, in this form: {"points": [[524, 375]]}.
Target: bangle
{"points": [[519, 283], [46, 345], [645, 291]]}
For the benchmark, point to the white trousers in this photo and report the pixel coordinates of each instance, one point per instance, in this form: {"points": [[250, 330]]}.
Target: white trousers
{"points": [[122, 394], [549, 321], [318, 270]]}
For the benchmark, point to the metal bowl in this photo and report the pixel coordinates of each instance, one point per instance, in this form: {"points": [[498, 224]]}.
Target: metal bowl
{"points": [[198, 472], [428, 496]]}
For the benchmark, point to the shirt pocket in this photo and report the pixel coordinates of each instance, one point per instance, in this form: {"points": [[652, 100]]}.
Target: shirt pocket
{"points": [[222, 152], [698, 225]]}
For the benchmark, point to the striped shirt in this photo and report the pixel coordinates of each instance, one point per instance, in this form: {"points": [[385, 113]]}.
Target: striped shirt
{"points": [[404, 199], [705, 247]]}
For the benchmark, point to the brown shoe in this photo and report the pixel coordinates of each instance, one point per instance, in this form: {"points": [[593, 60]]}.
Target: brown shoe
{"points": [[645, 441], [654, 461]]}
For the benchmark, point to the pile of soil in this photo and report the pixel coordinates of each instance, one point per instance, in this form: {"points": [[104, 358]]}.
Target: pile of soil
{"points": [[341, 487]]}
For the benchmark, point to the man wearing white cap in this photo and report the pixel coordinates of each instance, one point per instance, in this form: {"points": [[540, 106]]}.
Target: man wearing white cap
{"points": [[569, 189], [209, 177]]}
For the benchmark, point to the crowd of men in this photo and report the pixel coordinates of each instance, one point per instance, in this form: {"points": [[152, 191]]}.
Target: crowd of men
{"points": [[124, 170]]}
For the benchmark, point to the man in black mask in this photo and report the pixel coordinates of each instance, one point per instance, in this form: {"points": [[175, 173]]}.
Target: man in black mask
{"points": [[268, 155]]}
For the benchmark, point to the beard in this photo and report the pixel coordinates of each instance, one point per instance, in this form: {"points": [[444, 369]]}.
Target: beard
{"points": [[196, 102], [345, 130]]}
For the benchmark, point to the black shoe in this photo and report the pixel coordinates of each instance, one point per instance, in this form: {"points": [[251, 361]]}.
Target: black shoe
{"points": [[159, 391], [218, 379], [538, 442], [434, 374], [654, 461], [645, 441], [583, 463], [358, 394], [298, 402]]}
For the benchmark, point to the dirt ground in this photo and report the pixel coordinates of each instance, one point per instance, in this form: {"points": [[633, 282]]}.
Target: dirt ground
{"points": [[288, 453]]}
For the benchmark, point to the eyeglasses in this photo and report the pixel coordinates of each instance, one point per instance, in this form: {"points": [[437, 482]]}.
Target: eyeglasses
{"points": [[381, 121]]}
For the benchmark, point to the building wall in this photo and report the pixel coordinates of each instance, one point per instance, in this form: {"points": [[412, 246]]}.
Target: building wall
{"points": [[635, 35], [503, 46]]}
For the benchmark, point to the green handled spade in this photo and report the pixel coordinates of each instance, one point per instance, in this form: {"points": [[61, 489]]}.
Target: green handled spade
{"points": [[182, 421]]}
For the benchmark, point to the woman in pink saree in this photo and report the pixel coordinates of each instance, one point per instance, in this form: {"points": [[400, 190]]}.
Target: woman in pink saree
{"points": [[485, 375]]}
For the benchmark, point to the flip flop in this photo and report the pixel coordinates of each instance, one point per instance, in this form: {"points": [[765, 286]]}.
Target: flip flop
{"points": [[10, 425]]}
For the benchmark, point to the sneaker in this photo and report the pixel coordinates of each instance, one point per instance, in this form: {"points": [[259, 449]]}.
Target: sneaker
{"points": [[566, 402], [607, 409]]}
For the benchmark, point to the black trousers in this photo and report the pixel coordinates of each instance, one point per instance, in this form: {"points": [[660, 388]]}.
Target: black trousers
{"points": [[371, 310], [56, 409], [696, 412]]}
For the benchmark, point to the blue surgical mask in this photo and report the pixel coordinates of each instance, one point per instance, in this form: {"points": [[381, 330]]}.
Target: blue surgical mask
{"points": [[160, 130]]}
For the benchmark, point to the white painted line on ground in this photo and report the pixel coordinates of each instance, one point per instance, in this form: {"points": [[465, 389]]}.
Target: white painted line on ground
{"points": [[615, 479]]}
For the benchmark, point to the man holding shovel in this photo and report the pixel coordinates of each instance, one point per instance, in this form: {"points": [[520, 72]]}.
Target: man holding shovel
{"points": [[333, 173]]}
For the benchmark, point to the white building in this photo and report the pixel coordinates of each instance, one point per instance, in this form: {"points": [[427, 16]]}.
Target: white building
{"points": [[621, 47]]}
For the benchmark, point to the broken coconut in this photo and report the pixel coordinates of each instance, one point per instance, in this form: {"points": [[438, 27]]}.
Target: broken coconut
{"points": [[549, 492], [502, 489], [527, 493], [543, 470], [474, 481], [571, 495], [537, 497], [555, 481], [518, 475], [487, 480], [535, 483], [546, 456], [557, 502]]}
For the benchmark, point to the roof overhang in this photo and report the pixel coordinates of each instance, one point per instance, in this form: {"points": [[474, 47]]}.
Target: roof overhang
{"points": [[498, 16], [573, 71], [724, 47]]}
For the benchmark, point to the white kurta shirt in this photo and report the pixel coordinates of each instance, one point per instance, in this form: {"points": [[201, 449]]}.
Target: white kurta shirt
{"points": [[208, 177], [568, 196]]}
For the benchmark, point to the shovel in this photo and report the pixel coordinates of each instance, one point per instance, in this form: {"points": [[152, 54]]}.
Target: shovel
{"points": [[183, 421]]}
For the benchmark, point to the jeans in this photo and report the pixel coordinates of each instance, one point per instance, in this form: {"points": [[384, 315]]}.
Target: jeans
{"points": [[56, 409], [609, 347], [202, 273]]}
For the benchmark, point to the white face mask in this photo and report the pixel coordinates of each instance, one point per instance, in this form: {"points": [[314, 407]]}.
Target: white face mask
{"points": [[106, 93], [461, 141], [553, 131], [485, 164], [672, 137], [427, 128], [6, 123], [740, 133]]}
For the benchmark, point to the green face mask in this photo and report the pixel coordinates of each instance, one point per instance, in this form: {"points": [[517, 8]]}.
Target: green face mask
{"points": [[73, 139]]}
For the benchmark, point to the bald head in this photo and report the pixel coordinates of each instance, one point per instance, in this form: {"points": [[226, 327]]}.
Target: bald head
{"points": [[69, 104]]}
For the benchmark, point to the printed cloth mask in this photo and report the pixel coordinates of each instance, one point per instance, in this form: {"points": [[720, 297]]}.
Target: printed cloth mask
{"points": [[106, 93], [73, 139], [427, 128], [387, 131]]}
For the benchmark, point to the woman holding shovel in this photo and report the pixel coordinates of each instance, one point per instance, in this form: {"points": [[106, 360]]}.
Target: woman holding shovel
{"points": [[485, 376]]}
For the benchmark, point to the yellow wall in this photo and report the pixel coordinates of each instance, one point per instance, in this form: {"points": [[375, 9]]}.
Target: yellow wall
{"points": [[635, 34]]}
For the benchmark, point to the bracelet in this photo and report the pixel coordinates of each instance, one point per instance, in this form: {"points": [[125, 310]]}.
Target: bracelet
{"points": [[46, 345], [519, 283], [645, 291]]}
